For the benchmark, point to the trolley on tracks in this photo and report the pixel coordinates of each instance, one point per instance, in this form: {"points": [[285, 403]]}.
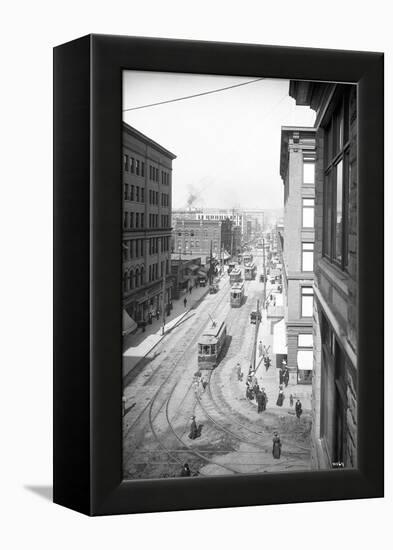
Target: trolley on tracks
{"points": [[235, 276], [237, 294], [210, 344], [249, 272], [231, 266], [247, 258]]}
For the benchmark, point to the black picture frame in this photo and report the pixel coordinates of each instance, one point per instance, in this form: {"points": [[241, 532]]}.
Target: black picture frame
{"points": [[87, 273]]}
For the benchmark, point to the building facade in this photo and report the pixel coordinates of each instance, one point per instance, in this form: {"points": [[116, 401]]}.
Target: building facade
{"points": [[192, 236], [297, 169], [147, 200], [334, 431]]}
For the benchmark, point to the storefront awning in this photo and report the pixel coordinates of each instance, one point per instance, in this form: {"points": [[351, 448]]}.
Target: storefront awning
{"points": [[202, 274], [280, 338], [129, 325], [305, 359]]}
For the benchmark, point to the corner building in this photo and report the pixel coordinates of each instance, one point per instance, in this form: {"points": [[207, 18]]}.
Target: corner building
{"points": [[297, 169], [335, 309], [147, 200]]}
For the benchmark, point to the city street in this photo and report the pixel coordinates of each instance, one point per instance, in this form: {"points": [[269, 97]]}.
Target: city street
{"points": [[161, 396]]}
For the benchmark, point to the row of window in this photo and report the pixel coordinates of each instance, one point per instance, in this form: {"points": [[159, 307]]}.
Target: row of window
{"points": [[135, 248], [195, 233], [133, 165], [181, 245], [133, 193], [154, 220], [133, 220], [136, 278], [154, 175]]}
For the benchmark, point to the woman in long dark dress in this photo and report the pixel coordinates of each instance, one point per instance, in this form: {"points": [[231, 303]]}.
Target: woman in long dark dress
{"points": [[193, 429], [276, 446], [280, 398]]}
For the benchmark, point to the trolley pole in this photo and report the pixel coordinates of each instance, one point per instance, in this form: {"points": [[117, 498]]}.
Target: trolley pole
{"points": [[163, 305], [264, 274]]}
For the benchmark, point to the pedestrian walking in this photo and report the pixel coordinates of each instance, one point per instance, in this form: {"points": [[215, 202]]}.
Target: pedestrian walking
{"points": [[185, 302], [157, 314], [190, 289], [185, 471], [291, 400], [260, 348], [204, 383], [280, 398], [276, 446], [264, 399], [286, 376], [193, 429], [239, 372], [298, 408]]}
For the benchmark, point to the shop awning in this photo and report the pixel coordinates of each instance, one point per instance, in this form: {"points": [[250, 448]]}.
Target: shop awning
{"points": [[129, 325], [202, 274], [280, 338], [305, 359]]}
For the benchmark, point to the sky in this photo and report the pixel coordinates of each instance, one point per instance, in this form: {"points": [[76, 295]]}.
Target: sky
{"points": [[227, 143]]}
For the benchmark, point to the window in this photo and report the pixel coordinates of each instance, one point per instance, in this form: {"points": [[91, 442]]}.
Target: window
{"points": [[307, 300], [125, 220], [137, 165], [137, 219], [307, 256], [336, 184], [142, 219], [137, 194], [132, 164], [131, 219], [304, 358], [142, 169], [142, 194], [308, 172], [125, 191], [308, 213], [132, 193]]}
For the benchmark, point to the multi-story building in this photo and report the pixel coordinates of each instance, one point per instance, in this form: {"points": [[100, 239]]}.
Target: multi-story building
{"points": [[297, 169], [147, 199], [334, 432], [196, 237]]}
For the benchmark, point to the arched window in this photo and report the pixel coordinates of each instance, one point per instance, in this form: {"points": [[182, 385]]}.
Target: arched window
{"points": [[131, 282], [136, 278], [142, 275]]}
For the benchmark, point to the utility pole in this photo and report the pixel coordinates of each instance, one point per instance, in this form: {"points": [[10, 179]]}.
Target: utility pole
{"points": [[264, 273], [254, 351], [211, 263], [163, 305]]}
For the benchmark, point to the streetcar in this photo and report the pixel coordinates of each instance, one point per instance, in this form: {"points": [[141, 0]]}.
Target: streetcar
{"points": [[237, 294], [235, 276], [249, 271], [210, 344], [231, 266], [247, 258]]}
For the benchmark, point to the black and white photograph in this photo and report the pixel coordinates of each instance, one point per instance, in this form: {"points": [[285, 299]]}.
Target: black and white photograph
{"points": [[239, 250]]}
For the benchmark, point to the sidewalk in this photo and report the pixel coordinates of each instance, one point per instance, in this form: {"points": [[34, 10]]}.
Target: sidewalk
{"points": [[137, 346], [270, 379]]}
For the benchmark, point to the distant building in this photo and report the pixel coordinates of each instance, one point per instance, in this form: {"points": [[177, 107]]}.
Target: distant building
{"points": [[147, 199], [335, 313], [297, 169], [192, 236]]}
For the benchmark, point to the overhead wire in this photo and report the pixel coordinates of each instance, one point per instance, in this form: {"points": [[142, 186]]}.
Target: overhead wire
{"points": [[193, 95]]}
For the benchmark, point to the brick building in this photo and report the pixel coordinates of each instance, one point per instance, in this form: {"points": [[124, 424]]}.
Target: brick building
{"points": [[147, 199], [192, 236], [297, 169], [334, 432]]}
